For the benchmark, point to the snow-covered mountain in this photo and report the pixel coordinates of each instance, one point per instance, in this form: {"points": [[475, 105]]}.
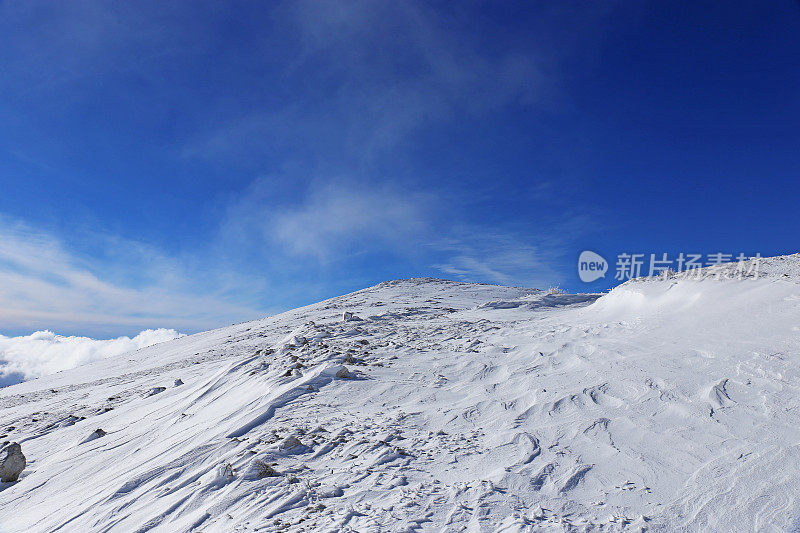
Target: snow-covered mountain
{"points": [[667, 404]]}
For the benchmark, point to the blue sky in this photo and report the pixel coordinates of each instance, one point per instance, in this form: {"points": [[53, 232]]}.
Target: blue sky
{"points": [[190, 164]]}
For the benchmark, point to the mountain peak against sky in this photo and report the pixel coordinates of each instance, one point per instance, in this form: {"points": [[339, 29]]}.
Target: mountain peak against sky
{"points": [[441, 401], [439, 281]]}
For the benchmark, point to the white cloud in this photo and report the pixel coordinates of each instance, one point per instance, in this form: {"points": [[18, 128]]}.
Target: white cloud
{"points": [[336, 219], [497, 258], [43, 352], [338, 216], [45, 285], [331, 219]]}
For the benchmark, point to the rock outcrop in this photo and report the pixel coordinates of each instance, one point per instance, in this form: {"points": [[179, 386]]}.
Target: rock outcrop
{"points": [[290, 442], [347, 316], [343, 373], [12, 463]]}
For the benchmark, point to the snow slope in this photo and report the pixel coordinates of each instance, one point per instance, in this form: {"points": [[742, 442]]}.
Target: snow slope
{"points": [[665, 405]]}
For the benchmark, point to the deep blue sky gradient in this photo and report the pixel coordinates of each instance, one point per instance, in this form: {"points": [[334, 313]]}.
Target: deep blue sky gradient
{"points": [[268, 155]]}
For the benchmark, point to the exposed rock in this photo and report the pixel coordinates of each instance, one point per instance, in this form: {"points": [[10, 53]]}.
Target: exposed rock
{"points": [[347, 316], [299, 340], [178, 382], [96, 434], [13, 462], [264, 469], [290, 442], [344, 373]]}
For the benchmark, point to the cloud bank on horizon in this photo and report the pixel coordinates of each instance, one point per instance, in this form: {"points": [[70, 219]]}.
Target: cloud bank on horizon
{"points": [[43, 352]]}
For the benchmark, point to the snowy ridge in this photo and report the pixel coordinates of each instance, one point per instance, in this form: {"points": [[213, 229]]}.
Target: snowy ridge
{"points": [[665, 405]]}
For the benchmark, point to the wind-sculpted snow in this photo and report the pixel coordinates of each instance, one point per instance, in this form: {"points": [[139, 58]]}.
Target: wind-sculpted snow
{"points": [[666, 405]]}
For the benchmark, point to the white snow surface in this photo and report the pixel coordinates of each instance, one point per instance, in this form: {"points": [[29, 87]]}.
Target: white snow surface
{"points": [[665, 405]]}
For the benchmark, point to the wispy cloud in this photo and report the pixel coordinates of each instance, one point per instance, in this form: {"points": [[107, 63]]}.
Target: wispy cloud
{"points": [[333, 220], [330, 218], [43, 284], [368, 79], [335, 217], [478, 255]]}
